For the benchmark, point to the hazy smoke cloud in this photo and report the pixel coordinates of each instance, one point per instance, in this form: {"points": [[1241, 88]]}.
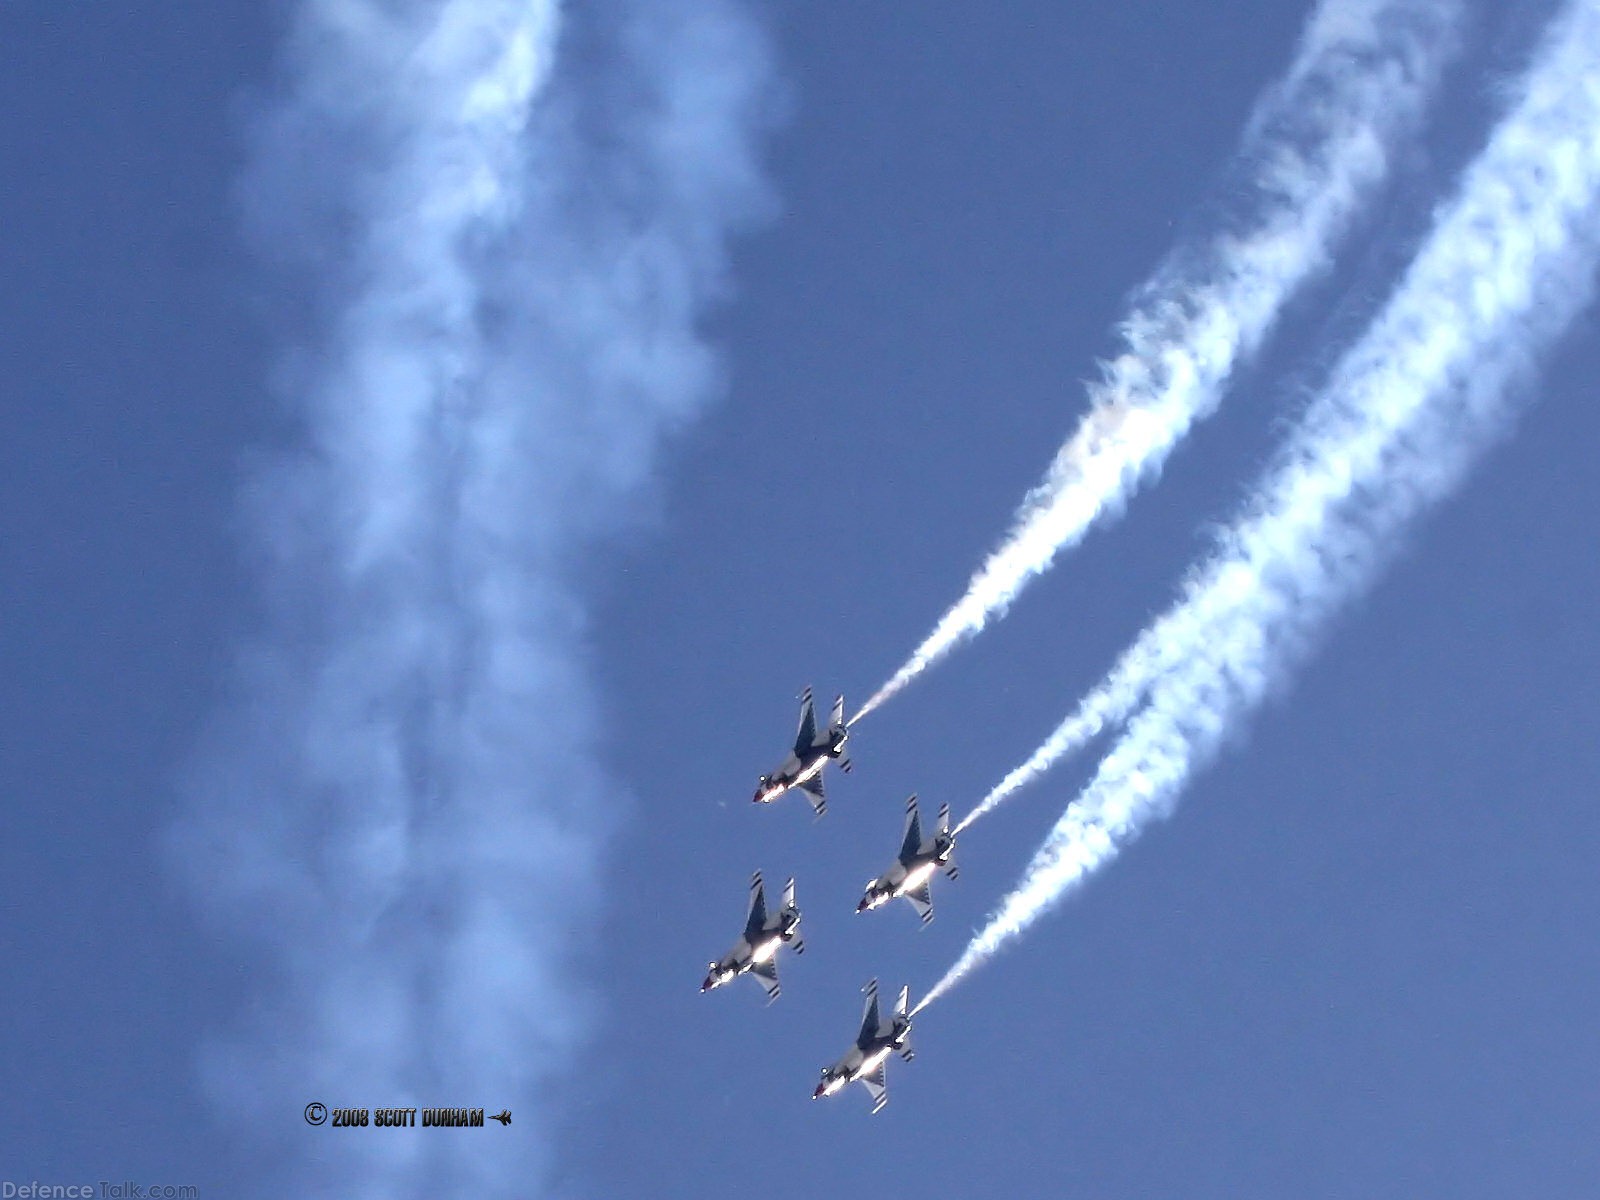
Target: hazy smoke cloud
{"points": [[1317, 149], [501, 226], [1508, 265]]}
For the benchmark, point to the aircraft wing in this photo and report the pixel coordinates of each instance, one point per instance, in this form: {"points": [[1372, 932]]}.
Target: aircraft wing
{"points": [[877, 1081], [813, 789], [757, 919], [766, 974], [921, 898], [869, 1016], [806, 737], [913, 839]]}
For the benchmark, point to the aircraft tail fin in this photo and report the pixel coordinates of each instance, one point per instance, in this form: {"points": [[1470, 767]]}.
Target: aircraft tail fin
{"points": [[838, 709], [792, 910], [902, 1017], [943, 831]]}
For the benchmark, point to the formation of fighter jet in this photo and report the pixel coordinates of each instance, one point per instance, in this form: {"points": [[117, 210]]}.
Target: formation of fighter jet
{"points": [[813, 750], [866, 1061], [756, 951], [913, 868]]}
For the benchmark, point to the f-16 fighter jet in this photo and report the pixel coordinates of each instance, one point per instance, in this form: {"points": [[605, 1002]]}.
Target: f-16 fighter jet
{"points": [[812, 751], [864, 1062], [914, 867], [756, 951]]}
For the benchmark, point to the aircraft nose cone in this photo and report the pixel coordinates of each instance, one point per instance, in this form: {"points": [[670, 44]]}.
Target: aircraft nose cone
{"points": [[864, 905], [707, 985], [820, 1092]]}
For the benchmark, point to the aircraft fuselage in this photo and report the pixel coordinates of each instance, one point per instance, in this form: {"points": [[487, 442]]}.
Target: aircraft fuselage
{"points": [[747, 952], [861, 1061], [794, 771], [908, 874], [801, 766]]}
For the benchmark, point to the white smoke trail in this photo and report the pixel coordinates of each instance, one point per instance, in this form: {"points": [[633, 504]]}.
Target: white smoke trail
{"points": [[403, 809], [1508, 265], [1315, 151]]}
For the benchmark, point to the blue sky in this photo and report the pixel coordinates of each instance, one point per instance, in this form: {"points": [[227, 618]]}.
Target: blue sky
{"points": [[1354, 962]]}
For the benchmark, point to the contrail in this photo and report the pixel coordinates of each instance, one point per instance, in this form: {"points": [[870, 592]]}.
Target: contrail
{"points": [[1507, 267], [504, 227], [1315, 151]]}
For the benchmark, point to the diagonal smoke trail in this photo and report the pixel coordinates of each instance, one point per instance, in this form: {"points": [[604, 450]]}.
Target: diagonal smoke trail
{"points": [[1315, 151], [1508, 265], [508, 239]]}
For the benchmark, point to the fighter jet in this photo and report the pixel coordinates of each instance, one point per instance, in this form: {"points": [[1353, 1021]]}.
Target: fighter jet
{"points": [[503, 1116], [864, 1062], [914, 867], [756, 951], [812, 751]]}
